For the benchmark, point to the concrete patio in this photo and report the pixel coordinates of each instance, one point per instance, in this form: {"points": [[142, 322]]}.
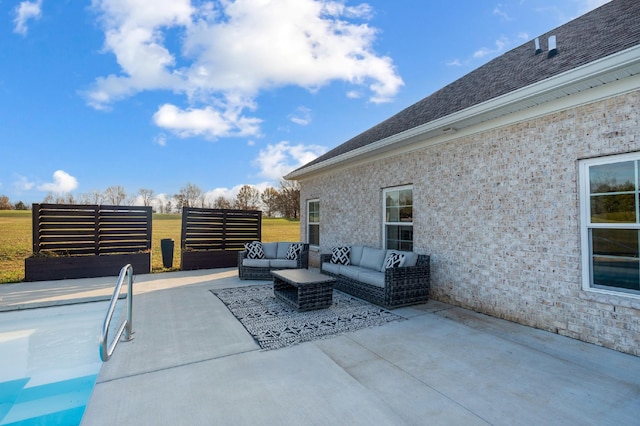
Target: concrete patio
{"points": [[192, 363]]}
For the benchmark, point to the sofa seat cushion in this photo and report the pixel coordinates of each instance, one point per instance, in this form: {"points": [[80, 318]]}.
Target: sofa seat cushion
{"points": [[334, 268], [350, 271], [372, 278], [372, 258], [357, 273], [282, 263], [256, 263]]}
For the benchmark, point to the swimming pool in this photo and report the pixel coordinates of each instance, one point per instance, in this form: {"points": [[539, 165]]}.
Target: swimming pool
{"points": [[49, 362]]}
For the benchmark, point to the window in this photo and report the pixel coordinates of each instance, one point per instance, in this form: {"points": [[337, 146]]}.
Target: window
{"points": [[398, 218], [313, 222], [610, 225]]}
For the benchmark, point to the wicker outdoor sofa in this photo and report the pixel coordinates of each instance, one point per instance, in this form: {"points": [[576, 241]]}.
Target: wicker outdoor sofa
{"points": [[379, 276], [257, 264]]}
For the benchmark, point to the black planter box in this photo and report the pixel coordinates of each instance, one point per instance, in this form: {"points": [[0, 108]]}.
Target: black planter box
{"points": [[68, 267], [208, 259]]}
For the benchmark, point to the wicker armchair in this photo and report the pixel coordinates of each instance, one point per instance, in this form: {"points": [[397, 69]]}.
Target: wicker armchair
{"points": [[264, 273], [403, 285]]}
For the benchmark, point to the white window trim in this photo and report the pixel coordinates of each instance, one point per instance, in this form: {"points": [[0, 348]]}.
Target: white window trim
{"points": [[313, 200], [585, 221], [384, 211]]}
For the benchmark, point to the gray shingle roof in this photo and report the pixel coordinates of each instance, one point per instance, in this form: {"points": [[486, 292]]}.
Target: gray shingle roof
{"points": [[606, 30]]}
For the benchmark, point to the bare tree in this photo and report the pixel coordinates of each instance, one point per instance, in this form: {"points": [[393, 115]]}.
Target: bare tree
{"points": [[248, 198], [5, 204], [270, 200], [188, 196], [95, 197], [222, 203], [115, 195], [146, 195], [48, 199], [289, 202], [83, 198]]}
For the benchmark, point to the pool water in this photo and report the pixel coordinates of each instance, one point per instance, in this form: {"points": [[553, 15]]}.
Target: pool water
{"points": [[49, 362]]}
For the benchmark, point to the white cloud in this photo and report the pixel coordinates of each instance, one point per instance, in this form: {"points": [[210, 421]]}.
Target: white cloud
{"points": [[206, 122], [25, 11], [62, 182], [231, 51], [22, 184], [278, 160], [498, 11], [563, 12], [261, 44], [156, 202], [230, 193], [500, 46], [302, 116], [161, 139]]}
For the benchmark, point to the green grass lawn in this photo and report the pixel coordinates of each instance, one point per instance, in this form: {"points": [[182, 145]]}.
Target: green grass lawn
{"points": [[16, 240], [15, 244]]}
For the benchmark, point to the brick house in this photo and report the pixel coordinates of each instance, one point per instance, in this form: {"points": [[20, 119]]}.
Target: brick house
{"points": [[520, 179]]}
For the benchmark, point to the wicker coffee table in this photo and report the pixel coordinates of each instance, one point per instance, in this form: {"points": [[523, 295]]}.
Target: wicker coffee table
{"points": [[303, 289]]}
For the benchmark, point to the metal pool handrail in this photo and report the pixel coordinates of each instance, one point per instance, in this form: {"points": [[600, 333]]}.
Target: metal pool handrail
{"points": [[106, 349]]}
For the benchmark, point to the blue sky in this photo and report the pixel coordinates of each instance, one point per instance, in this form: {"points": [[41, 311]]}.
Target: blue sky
{"points": [[158, 94]]}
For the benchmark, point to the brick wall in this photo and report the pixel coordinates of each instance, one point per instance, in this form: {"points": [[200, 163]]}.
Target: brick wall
{"points": [[498, 212]]}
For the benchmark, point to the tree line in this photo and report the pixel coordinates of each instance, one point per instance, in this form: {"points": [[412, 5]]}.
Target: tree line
{"points": [[5, 204], [281, 202]]}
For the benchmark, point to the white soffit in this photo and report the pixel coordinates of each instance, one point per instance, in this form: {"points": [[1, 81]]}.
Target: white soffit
{"points": [[612, 68]]}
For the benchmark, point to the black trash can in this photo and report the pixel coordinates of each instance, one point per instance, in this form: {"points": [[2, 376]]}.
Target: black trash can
{"points": [[166, 246]]}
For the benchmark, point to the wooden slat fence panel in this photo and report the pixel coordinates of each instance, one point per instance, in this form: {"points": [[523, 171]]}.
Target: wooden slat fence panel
{"points": [[219, 229], [90, 229], [211, 238], [124, 230]]}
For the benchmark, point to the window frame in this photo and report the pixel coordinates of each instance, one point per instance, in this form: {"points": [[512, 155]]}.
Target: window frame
{"points": [[586, 225], [385, 223], [310, 223]]}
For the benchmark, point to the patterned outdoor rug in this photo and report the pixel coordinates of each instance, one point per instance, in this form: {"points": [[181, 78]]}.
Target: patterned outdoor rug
{"points": [[275, 325]]}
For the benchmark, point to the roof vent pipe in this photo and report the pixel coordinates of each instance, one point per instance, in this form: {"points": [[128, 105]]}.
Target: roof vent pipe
{"points": [[537, 42], [553, 50]]}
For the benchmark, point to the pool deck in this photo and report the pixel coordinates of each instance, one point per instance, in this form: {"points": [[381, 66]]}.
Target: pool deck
{"points": [[192, 363]]}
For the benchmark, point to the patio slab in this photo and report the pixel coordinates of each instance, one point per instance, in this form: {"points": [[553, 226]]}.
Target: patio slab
{"points": [[192, 363]]}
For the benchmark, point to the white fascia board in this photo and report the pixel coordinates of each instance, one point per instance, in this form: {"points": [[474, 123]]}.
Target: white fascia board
{"points": [[561, 85]]}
